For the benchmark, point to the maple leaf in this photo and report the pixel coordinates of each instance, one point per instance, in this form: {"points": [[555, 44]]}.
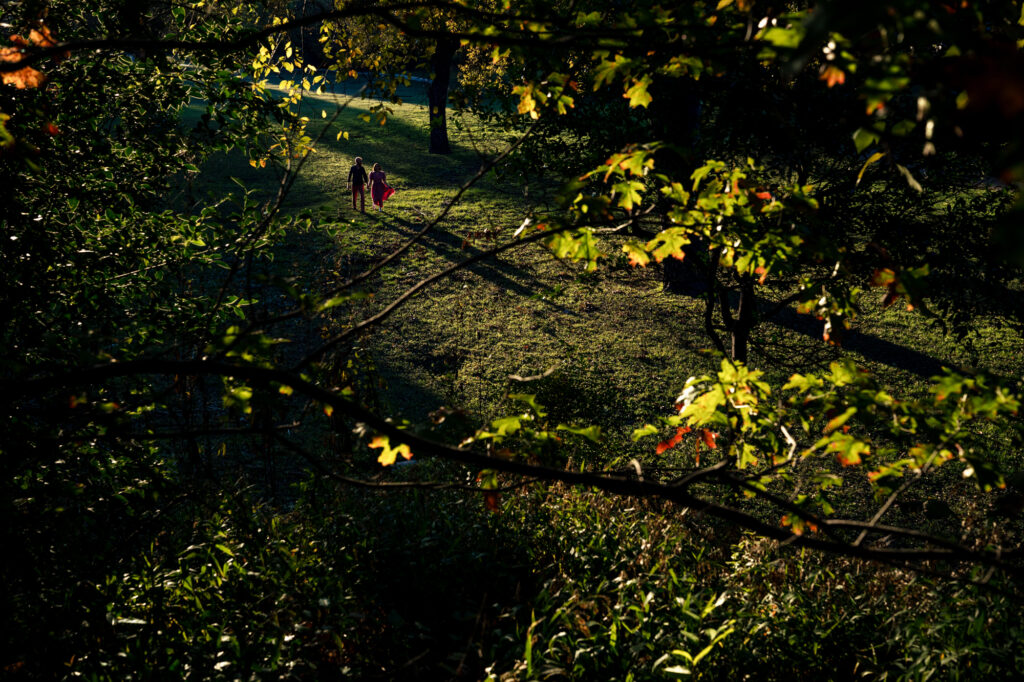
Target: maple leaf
{"points": [[668, 242], [637, 94], [833, 75], [637, 254]]}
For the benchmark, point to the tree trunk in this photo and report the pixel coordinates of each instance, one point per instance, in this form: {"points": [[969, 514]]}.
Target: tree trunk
{"points": [[437, 95], [744, 321]]}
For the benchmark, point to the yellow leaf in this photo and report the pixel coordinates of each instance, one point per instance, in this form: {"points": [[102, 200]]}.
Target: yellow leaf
{"points": [[871, 159], [389, 454]]}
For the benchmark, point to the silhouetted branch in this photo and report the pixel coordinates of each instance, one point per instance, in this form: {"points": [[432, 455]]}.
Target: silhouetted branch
{"points": [[939, 549]]}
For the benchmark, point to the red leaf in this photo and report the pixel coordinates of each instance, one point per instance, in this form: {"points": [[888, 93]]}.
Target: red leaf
{"points": [[492, 501], [671, 442], [709, 438]]}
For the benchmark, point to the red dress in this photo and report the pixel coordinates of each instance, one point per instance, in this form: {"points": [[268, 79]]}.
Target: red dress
{"points": [[380, 191]]}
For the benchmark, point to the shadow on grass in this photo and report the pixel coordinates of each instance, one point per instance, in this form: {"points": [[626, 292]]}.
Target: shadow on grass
{"points": [[868, 346], [454, 248]]}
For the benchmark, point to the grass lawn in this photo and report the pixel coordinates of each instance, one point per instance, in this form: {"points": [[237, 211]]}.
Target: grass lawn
{"points": [[581, 570]]}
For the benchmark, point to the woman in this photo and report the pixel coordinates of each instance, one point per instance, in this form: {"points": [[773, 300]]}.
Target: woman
{"points": [[379, 189]]}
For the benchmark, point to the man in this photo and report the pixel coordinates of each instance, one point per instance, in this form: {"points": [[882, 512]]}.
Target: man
{"points": [[357, 180]]}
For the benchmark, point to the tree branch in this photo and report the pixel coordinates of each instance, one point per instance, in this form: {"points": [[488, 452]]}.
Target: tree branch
{"points": [[941, 550]]}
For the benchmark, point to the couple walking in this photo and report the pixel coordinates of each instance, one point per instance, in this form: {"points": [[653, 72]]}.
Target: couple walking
{"points": [[380, 191]]}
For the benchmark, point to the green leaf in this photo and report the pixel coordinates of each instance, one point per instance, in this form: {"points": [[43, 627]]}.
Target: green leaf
{"points": [[592, 433], [531, 400], [637, 94], [903, 128], [786, 38], [839, 420], [636, 253], [864, 138], [628, 192], [505, 426], [643, 431], [669, 242]]}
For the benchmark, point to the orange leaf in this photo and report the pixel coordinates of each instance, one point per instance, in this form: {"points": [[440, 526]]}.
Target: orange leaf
{"points": [[492, 501], [709, 438], [23, 78], [42, 37], [833, 75]]}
